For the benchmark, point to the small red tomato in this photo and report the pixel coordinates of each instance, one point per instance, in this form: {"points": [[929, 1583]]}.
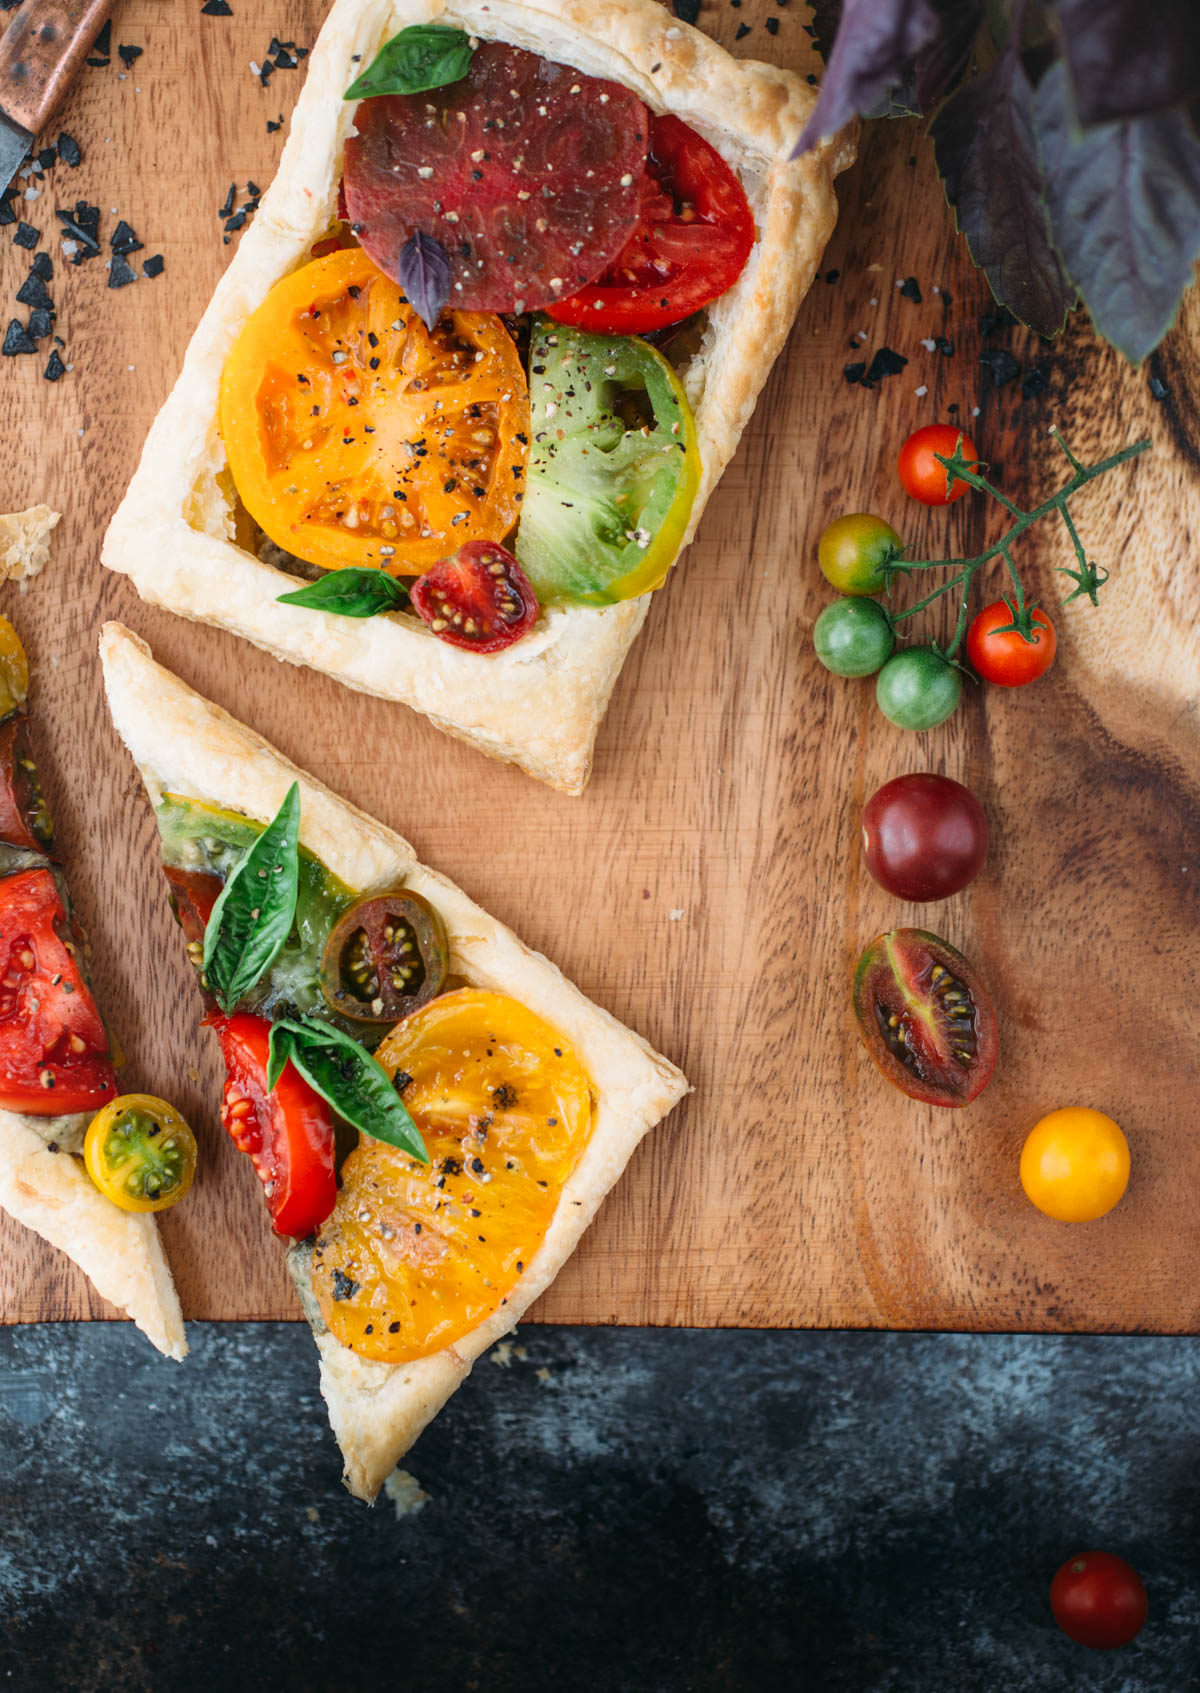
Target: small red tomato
{"points": [[1005, 657], [1099, 1600], [480, 598], [924, 836], [921, 475]]}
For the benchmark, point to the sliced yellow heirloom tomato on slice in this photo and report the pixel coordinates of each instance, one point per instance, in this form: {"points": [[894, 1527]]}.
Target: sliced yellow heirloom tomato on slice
{"points": [[356, 437], [140, 1153], [415, 1256], [14, 671]]}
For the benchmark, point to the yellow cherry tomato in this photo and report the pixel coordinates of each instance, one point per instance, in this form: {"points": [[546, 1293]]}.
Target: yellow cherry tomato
{"points": [[1075, 1164], [414, 1256], [358, 437], [14, 671], [140, 1153]]}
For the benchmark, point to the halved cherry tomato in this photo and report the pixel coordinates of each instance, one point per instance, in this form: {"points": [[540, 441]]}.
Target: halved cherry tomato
{"points": [[356, 437], [140, 1153], [24, 814], [922, 475], [54, 1052], [480, 599], [1003, 655], [694, 234], [526, 173], [925, 1017], [385, 958], [288, 1132], [416, 1255]]}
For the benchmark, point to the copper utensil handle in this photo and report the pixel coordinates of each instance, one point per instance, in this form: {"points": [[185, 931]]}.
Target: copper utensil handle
{"points": [[40, 52]]}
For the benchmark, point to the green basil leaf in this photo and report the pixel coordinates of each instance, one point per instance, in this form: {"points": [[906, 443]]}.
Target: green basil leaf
{"points": [[348, 1077], [351, 593], [424, 56], [256, 908]]}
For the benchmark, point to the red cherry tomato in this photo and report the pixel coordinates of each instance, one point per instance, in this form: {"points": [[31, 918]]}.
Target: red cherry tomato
{"points": [[288, 1132], [480, 599], [921, 474], [693, 237], [924, 836], [1099, 1600], [1007, 658]]}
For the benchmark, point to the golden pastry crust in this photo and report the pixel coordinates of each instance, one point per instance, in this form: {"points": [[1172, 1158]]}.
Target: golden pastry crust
{"points": [[119, 1251], [538, 704], [184, 743]]}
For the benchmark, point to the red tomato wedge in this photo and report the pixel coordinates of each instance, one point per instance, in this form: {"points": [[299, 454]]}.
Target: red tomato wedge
{"points": [[54, 1054], [528, 173], [24, 814], [288, 1132], [694, 234], [480, 599]]}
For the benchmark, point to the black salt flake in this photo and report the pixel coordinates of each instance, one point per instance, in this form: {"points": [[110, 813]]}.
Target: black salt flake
{"points": [[153, 265], [54, 366], [687, 11], [27, 236], [120, 273], [47, 158], [884, 363], [41, 324], [34, 293], [69, 150], [229, 199], [772, 26], [129, 54], [742, 29], [123, 239], [42, 267], [1158, 389], [216, 9], [855, 372], [17, 340], [1000, 362], [910, 288]]}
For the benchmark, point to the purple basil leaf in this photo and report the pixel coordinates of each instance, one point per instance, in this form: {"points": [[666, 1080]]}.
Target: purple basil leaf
{"points": [[875, 41], [986, 152], [1128, 57], [1124, 204], [424, 270], [943, 61]]}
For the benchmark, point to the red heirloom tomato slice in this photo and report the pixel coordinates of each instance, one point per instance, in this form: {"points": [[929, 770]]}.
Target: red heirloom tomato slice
{"points": [[54, 1054], [925, 1017], [528, 173], [693, 237], [480, 599], [288, 1132], [24, 814]]}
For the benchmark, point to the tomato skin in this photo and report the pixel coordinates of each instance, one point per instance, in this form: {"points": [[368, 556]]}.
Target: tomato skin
{"points": [[918, 689], [24, 815], [1075, 1165], [925, 1017], [925, 837], [921, 476], [54, 1051], [854, 637], [1007, 658], [1099, 1600], [479, 599], [695, 232], [853, 550], [288, 1132]]}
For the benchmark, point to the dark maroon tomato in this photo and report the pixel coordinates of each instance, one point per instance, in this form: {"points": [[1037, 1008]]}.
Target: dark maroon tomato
{"points": [[528, 173], [925, 1017], [480, 599], [924, 836], [385, 958], [24, 814], [1099, 1600]]}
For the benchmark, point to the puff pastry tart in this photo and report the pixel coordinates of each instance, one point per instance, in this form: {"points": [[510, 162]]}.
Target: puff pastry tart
{"points": [[434, 1111], [493, 337], [56, 1068]]}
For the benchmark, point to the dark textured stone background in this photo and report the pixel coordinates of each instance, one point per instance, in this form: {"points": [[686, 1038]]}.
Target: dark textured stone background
{"points": [[621, 1511]]}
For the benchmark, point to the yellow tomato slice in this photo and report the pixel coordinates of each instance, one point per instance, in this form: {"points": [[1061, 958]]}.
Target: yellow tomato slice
{"points": [[415, 1256], [140, 1153], [356, 437]]}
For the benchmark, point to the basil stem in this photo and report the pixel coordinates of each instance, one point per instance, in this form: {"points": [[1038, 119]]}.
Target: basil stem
{"points": [[351, 592], [423, 56], [256, 908], [348, 1077]]}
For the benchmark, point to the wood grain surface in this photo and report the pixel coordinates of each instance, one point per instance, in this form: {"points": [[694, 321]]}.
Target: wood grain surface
{"points": [[708, 888]]}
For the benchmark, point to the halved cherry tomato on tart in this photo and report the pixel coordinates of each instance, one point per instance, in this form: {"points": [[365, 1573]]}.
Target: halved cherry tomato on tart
{"points": [[480, 599], [24, 814], [140, 1153], [414, 1255], [694, 233], [14, 670], [385, 958], [527, 173], [287, 1132], [356, 437], [54, 1052], [925, 1017]]}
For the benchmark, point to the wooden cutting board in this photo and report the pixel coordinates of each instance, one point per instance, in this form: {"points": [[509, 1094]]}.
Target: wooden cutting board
{"points": [[708, 888]]}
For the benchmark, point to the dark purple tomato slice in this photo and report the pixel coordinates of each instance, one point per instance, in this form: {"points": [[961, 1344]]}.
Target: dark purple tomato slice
{"points": [[479, 599], [385, 958], [924, 836], [925, 1017], [528, 173]]}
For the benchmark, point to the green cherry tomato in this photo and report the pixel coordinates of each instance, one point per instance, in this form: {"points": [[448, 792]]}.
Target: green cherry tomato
{"points": [[853, 551], [917, 689], [853, 637]]}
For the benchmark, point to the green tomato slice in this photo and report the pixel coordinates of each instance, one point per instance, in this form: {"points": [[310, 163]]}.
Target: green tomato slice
{"points": [[613, 467]]}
